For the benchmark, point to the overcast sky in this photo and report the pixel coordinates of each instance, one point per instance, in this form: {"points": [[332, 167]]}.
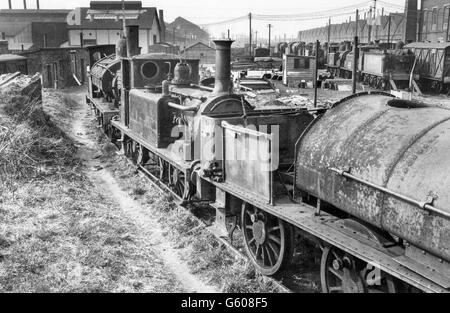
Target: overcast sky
{"points": [[208, 11]]}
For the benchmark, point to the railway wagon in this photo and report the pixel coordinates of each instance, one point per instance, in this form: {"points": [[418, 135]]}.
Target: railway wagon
{"points": [[11, 63], [386, 69], [432, 65], [365, 178]]}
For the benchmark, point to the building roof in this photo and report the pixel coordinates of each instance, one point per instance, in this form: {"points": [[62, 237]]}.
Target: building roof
{"points": [[197, 44], [158, 56], [144, 21], [183, 24], [428, 45], [11, 57]]}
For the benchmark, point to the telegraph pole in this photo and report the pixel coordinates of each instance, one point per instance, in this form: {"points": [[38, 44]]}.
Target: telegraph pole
{"points": [[270, 28], [250, 32], [355, 64], [256, 38], [329, 36]]}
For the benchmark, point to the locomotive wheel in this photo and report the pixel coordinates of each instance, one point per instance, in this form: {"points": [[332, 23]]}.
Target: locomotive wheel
{"points": [[342, 273], [269, 241], [162, 169], [127, 147], [179, 183], [142, 155]]}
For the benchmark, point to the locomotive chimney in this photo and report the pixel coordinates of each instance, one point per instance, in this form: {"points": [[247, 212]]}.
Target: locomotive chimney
{"points": [[132, 37], [223, 66]]}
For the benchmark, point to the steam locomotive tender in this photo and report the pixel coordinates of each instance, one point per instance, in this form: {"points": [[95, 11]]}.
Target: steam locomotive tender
{"points": [[367, 178]]}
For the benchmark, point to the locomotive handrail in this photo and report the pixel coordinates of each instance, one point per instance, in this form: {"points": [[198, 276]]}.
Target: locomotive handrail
{"points": [[243, 130], [192, 108], [423, 205]]}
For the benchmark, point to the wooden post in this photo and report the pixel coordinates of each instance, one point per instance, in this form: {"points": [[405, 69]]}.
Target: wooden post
{"points": [[250, 32], [355, 64], [316, 72], [389, 29]]}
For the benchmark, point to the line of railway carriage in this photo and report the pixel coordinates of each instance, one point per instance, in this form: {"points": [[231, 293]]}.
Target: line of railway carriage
{"points": [[366, 178]]}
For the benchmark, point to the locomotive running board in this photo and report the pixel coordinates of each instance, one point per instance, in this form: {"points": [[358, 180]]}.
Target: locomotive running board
{"points": [[303, 216]]}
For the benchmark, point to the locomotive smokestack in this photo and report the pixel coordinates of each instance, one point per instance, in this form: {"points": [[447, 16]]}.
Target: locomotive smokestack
{"points": [[223, 66], [132, 35]]}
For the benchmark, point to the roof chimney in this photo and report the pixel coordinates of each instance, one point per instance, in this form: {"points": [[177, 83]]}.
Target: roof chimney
{"points": [[163, 26], [411, 20], [37, 4], [10, 4], [223, 66], [25, 4]]}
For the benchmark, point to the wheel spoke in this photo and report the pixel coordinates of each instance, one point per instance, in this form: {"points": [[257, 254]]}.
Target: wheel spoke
{"points": [[258, 249], [251, 241], [275, 252], [273, 229], [335, 273], [275, 239], [269, 256]]}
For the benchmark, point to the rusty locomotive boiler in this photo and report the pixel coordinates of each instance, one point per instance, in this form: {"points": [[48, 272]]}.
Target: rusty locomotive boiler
{"points": [[365, 179]]}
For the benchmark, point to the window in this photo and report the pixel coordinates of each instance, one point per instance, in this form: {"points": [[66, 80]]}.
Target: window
{"points": [[302, 63], [424, 21], [446, 17], [149, 70], [154, 39], [434, 18]]}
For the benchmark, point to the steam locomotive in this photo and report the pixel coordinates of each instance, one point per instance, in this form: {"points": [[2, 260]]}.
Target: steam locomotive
{"points": [[378, 65], [366, 178]]}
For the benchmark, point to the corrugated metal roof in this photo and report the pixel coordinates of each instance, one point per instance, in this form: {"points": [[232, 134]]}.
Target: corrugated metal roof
{"points": [[11, 57], [428, 45]]}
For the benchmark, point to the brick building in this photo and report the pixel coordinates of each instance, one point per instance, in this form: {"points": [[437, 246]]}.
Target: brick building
{"points": [[102, 24], [434, 20], [64, 67], [205, 53]]}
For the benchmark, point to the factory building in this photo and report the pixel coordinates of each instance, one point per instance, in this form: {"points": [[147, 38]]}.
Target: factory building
{"points": [[32, 28], [184, 33], [427, 21], [102, 24]]}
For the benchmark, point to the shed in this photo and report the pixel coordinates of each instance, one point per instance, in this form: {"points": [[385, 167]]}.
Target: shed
{"points": [[297, 68], [199, 50]]}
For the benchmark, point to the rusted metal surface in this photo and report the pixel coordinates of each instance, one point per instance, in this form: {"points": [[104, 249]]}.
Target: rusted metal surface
{"points": [[402, 149], [103, 72]]}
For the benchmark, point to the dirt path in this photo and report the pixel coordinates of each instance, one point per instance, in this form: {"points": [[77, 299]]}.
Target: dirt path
{"points": [[151, 237]]}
